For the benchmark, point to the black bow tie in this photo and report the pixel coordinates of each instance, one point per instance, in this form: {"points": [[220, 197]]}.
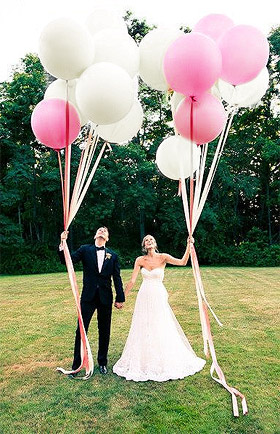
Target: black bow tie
{"points": [[100, 248]]}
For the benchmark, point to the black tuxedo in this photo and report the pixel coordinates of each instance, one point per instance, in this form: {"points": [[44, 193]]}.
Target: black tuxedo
{"points": [[97, 294]]}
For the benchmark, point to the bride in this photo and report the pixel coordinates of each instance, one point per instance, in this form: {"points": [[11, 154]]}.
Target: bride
{"points": [[156, 348]]}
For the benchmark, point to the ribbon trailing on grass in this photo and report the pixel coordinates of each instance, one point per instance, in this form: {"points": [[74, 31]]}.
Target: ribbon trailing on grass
{"points": [[197, 198], [83, 179], [86, 355]]}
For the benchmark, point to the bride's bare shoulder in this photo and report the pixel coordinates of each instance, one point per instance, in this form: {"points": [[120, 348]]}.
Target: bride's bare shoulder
{"points": [[164, 256], [139, 261]]}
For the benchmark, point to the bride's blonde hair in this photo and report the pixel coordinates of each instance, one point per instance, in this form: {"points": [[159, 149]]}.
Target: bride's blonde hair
{"points": [[144, 250]]}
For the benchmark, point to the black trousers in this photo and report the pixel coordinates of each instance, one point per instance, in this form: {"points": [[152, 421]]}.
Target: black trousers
{"points": [[104, 314]]}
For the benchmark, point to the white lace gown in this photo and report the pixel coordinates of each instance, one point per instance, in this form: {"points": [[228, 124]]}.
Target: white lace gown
{"points": [[156, 348]]}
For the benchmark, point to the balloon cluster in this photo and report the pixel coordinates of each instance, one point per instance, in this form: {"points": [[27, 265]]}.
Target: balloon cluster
{"points": [[96, 66], [217, 63]]}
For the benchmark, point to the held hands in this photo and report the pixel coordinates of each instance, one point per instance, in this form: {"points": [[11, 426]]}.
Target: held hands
{"points": [[118, 305]]}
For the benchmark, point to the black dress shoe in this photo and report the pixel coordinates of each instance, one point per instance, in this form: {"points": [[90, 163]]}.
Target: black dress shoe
{"points": [[103, 369]]}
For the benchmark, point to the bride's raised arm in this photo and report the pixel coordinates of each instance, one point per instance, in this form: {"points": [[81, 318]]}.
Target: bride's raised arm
{"points": [[176, 261], [134, 275]]}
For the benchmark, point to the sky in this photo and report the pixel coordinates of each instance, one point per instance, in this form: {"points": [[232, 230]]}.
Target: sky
{"points": [[22, 21]]}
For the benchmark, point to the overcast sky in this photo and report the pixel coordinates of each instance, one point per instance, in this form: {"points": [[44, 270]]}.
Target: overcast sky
{"points": [[21, 21]]}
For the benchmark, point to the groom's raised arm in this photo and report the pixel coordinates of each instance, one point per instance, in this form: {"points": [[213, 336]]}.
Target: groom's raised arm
{"points": [[75, 256]]}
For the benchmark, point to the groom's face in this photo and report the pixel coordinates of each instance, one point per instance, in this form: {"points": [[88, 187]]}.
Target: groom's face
{"points": [[102, 233]]}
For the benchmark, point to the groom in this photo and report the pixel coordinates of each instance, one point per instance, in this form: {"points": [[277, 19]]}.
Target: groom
{"points": [[99, 265]]}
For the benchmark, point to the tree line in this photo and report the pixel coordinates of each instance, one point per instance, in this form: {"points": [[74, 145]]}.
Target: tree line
{"points": [[240, 221]]}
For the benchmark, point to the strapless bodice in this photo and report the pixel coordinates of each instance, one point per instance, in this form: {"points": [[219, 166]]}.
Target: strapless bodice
{"points": [[152, 275]]}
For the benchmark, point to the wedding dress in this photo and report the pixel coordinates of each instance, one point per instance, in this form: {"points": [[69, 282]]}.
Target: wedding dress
{"points": [[156, 348]]}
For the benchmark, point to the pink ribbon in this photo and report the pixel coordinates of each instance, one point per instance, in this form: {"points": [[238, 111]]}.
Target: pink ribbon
{"points": [[208, 340], [206, 329], [202, 301], [86, 356]]}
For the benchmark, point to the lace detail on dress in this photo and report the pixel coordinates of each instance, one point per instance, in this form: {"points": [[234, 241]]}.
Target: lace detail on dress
{"points": [[156, 348]]}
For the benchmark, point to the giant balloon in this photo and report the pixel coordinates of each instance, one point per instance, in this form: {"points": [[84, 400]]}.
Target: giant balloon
{"points": [[245, 52], [65, 48], [214, 25], [65, 90], [209, 118], [152, 51], [49, 123], [126, 128], [105, 93], [177, 157], [117, 47], [192, 64], [246, 94], [104, 18]]}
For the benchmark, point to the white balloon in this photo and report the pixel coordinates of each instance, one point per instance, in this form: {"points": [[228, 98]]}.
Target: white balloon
{"points": [[175, 100], [65, 48], [103, 18], [114, 46], [126, 128], [173, 157], [214, 90], [152, 50], [135, 85], [58, 89], [105, 93], [246, 94]]}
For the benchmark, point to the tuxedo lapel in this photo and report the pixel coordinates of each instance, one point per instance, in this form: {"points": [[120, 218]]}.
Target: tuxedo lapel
{"points": [[105, 262], [94, 257]]}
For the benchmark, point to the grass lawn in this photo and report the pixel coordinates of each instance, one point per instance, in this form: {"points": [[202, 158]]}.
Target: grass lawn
{"points": [[38, 321]]}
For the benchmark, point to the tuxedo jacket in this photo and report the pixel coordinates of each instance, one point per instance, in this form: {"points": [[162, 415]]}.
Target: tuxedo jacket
{"points": [[95, 282]]}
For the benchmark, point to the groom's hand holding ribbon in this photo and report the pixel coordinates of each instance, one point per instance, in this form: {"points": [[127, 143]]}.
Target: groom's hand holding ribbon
{"points": [[190, 240], [63, 237]]}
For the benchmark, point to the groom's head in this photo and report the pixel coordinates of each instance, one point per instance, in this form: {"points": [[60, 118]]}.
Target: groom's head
{"points": [[103, 233]]}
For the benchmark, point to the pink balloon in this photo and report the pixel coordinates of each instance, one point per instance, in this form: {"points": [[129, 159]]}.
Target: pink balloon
{"points": [[213, 25], [192, 64], [245, 52], [209, 118], [48, 122]]}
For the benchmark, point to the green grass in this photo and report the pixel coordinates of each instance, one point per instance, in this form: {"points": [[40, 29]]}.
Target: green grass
{"points": [[38, 321]]}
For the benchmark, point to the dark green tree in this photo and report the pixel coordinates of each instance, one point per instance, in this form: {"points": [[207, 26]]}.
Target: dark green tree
{"points": [[240, 222]]}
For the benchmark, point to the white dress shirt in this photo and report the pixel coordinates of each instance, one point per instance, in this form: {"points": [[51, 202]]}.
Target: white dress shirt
{"points": [[100, 259]]}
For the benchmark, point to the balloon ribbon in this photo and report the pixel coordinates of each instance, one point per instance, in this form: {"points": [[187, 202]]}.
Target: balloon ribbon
{"points": [[82, 183], [191, 217]]}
